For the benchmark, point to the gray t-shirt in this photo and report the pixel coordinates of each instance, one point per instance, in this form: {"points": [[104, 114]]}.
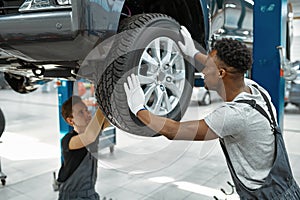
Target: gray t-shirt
{"points": [[247, 136]]}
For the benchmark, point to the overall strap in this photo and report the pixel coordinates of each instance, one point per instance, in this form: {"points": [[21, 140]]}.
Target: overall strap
{"points": [[260, 109], [257, 107], [268, 104]]}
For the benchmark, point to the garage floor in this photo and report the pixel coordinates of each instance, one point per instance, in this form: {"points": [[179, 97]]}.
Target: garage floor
{"points": [[139, 168]]}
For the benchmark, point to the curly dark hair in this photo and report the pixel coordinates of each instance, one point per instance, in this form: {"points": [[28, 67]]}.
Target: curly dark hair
{"points": [[234, 53]]}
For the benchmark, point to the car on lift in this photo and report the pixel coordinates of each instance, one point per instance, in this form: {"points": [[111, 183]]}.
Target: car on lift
{"points": [[292, 89], [105, 40]]}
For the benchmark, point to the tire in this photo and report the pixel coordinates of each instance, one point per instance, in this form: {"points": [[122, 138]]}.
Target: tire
{"points": [[288, 47], [166, 94], [289, 32], [2, 123], [206, 100]]}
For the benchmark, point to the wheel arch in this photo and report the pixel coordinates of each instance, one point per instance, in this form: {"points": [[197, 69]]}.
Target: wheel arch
{"points": [[193, 14]]}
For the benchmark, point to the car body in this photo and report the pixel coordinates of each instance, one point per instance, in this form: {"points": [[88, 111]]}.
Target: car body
{"points": [[292, 88], [294, 92], [105, 40], [200, 94]]}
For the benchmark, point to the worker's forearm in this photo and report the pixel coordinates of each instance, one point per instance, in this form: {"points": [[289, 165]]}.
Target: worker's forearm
{"points": [[164, 126], [91, 132], [173, 130], [200, 57], [94, 128], [200, 60]]}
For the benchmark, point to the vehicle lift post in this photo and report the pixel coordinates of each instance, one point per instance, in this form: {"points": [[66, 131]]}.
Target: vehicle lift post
{"points": [[270, 17], [65, 91], [2, 176]]}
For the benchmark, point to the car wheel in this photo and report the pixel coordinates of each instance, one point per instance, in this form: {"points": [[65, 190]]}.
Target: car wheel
{"points": [[146, 46], [2, 123], [206, 100]]}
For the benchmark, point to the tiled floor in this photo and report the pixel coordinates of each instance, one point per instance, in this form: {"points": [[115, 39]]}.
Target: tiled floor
{"points": [[139, 168]]}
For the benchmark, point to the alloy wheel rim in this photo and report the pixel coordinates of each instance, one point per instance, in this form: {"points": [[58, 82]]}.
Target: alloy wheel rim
{"points": [[161, 72]]}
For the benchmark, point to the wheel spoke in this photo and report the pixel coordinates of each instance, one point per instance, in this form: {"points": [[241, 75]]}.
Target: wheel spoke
{"points": [[173, 88], [159, 100], [157, 49], [167, 57], [149, 59], [179, 76], [167, 101], [149, 90], [144, 80], [172, 61]]}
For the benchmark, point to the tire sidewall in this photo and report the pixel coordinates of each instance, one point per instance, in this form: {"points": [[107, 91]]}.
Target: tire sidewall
{"points": [[2, 123]]}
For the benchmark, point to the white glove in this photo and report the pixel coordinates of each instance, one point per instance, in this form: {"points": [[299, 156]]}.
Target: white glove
{"points": [[135, 94], [188, 48]]}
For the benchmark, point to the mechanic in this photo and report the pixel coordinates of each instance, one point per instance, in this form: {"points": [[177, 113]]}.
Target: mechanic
{"points": [[245, 123], [78, 173]]}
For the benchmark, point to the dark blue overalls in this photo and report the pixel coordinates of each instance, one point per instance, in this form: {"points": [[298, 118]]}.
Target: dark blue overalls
{"points": [[280, 183], [81, 184]]}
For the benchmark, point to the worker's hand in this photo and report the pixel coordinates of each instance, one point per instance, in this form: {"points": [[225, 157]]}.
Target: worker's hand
{"points": [[188, 48], [134, 93]]}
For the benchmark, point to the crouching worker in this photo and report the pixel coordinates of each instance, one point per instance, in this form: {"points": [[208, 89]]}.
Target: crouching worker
{"points": [[245, 123], [78, 173]]}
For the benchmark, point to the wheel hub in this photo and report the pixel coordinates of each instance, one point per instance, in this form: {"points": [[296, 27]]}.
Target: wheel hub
{"points": [[161, 77]]}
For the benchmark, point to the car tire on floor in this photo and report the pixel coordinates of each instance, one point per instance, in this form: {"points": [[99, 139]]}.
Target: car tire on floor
{"points": [[206, 100]]}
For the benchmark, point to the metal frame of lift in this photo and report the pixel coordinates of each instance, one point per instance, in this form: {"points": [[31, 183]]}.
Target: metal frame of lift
{"points": [[270, 20], [2, 175]]}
